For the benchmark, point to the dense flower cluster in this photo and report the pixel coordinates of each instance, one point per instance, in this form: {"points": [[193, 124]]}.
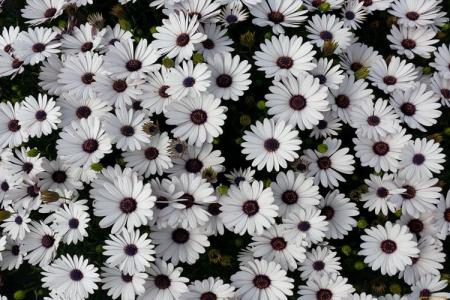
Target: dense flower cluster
{"points": [[118, 174]]}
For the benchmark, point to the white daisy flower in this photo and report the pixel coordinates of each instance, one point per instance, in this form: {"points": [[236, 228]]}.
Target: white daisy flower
{"points": [[442, 61], [339, 212], [329, 126], [421, 195], [352, 93], [410, 41], [130, 251], [10, 65], [165, 193], [80, 3], [48, 76], [233, 13], [126, 129], [78, 74], [11, 133], [398, 75], [282, 56], [259, 279], [23, 164], [197, 120], [422, 225], [71, 277], [205, 10], [328, 74], [382, 153], [248, 208], [294, 191], [417, 107], [441, 86], [326, 166], [353, 13], [211, 288], [430, 286], [26, 195], [164, 282], [325, 287], [215, 225], [82, 39], [123, 201], [421, 158], [83, 143], [59, 176], [430, 261], [71, 222], [118, 92], [328, 28], [39, 116], [190, 210], [154, 93], [320, 261], [237, 175], [178, 36], [122, 285], [188, 80], [389, 248], [153, 158], [278, 14], [216, 42], [416, 13], [41, 244], [374, 120], [12, 256], [179, 244], [35, 45], [378, 197], [196, 160], [298, 101], [442, 216], [40, 11], [8, 37], [230, 76], [271, 144], [124, 60], [374, 5], [16, 225], [73, 108], [306, 224], [113, 35], [273, 245], [357, 57]]}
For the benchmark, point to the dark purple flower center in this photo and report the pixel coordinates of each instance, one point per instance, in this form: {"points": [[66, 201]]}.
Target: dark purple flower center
{"points": [[415, 225], [193, 165], [231, 19], [59, 176], [4, 186], [318, 265], [342, 101], [408, 109], [278, 243], [15, 250], [355, 66], [189, 82], [87, 47], [261, 281], [285, 62], [127, 278], [128, 205], [120, 86], [409, 193], [271, 145], [73, 223], [250, 207], [130, 250], [50, 12], [33, 191], [322, 124], [162, 282], [275, 17], [326, 35], [366, 2], [224, 81], [328, 212], [27, 167], [208, 296], [304, 226], [388, 246], [47, 241], [425, 294], [349, 15], [297, 102], [18, 220], [40, 115], [13, 125], [380, 148], [133, 65], [16, 63], [127, 130], [382, 192], [324, 294], [324, 162], [322, 78], [208, 44], [151, 153], [390, 80], [408, 44], [445, 93], [83, 112], [76, 275], [180, 236], [88, 78], [199, 117], [162, 92], [38, 47], [412, 15], [188, 200], [214, 209], [373, 120], [447, 215], [183, 39], [418, 159], [90, 146], [289, 197]]}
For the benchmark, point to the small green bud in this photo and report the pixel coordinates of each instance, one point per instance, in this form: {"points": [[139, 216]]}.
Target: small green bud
{"points": [[245, 120], [395, 288], [248, 39], [398, 213], [359, 265], [99, 249], [427, 70], [124, 24], [445, 27], [20, 295], [261, 105], [197, 58], [238, 140], [153, 30], [222, 189], [362, 223], [33, 152], [447, 131], [168, 62], [346, 249], [329, 47], [41, 292], [324, 7], [268, 35], [322, 148], [362, 73], [216, 141], [267, 183], [62, 24], [97, 167], [238, 242], [4, 214]]}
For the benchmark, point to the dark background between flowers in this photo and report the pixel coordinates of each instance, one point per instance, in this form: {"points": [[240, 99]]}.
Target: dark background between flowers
{"points": [[220, 258]]}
